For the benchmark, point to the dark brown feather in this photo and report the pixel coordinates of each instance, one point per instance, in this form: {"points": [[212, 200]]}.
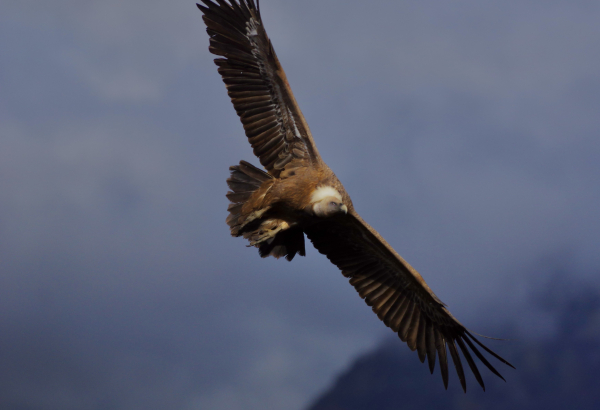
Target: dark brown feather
{"points": [[252, 130], [457, 364], [238, 197], [244, 180], [398, 314], [283, 161], [253, 113], [383, 299], [375, 284], [266, 145], [422, 338], [252, 171], [269, 157], [265, 137], [234, 73], [376, 296], [430, 345], [397, 294], [251, 69], [405, 322], [363, 277], [262, 120], [470, 361], [387, 308], [440, 345], [413, 330]]}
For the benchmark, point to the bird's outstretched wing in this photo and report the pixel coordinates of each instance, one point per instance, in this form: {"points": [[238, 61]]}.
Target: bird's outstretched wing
{"points": [[398, 294], [257, 85]]}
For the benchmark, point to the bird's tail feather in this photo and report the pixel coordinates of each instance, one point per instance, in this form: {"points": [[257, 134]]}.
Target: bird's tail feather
{"points": [[245, 179], [272, 236]]}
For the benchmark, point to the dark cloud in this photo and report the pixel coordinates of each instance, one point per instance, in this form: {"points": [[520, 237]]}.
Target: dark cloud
{"points": [[466, 133]]}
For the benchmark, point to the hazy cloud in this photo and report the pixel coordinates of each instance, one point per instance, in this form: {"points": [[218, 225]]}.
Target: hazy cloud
{"points": [[465, 132]]}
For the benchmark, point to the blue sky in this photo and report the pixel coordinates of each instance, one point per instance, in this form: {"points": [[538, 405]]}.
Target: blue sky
{"points": [[466, 134]]}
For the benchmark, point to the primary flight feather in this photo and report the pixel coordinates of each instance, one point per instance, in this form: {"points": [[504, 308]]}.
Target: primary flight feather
{"points": [[299, 194]]}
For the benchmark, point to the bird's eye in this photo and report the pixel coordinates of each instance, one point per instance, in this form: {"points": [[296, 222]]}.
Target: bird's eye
{"points": [[333, 204]]}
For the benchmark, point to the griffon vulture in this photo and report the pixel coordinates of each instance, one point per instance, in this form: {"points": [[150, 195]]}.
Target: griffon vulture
{"points": [[299, 194]]}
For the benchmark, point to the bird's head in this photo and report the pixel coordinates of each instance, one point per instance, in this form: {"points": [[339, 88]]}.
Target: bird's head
{"points": [[329, 206], [327, 201]]}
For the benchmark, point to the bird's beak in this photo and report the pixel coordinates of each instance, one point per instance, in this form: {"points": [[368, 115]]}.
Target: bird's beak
{"points": [[344, 209]]}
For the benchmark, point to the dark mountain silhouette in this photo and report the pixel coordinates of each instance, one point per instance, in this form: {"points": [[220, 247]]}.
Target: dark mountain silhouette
{"points": [[561, 372]]}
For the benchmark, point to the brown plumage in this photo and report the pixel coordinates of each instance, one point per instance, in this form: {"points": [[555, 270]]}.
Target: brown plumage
{"points": [[299, 194]]}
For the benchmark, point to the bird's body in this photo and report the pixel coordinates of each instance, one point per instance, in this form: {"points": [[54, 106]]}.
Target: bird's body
{"points": [[300, 195], [293, 201]]}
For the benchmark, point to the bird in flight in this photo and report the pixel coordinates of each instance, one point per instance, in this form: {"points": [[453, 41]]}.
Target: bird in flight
{"points": [[300, 195]]}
